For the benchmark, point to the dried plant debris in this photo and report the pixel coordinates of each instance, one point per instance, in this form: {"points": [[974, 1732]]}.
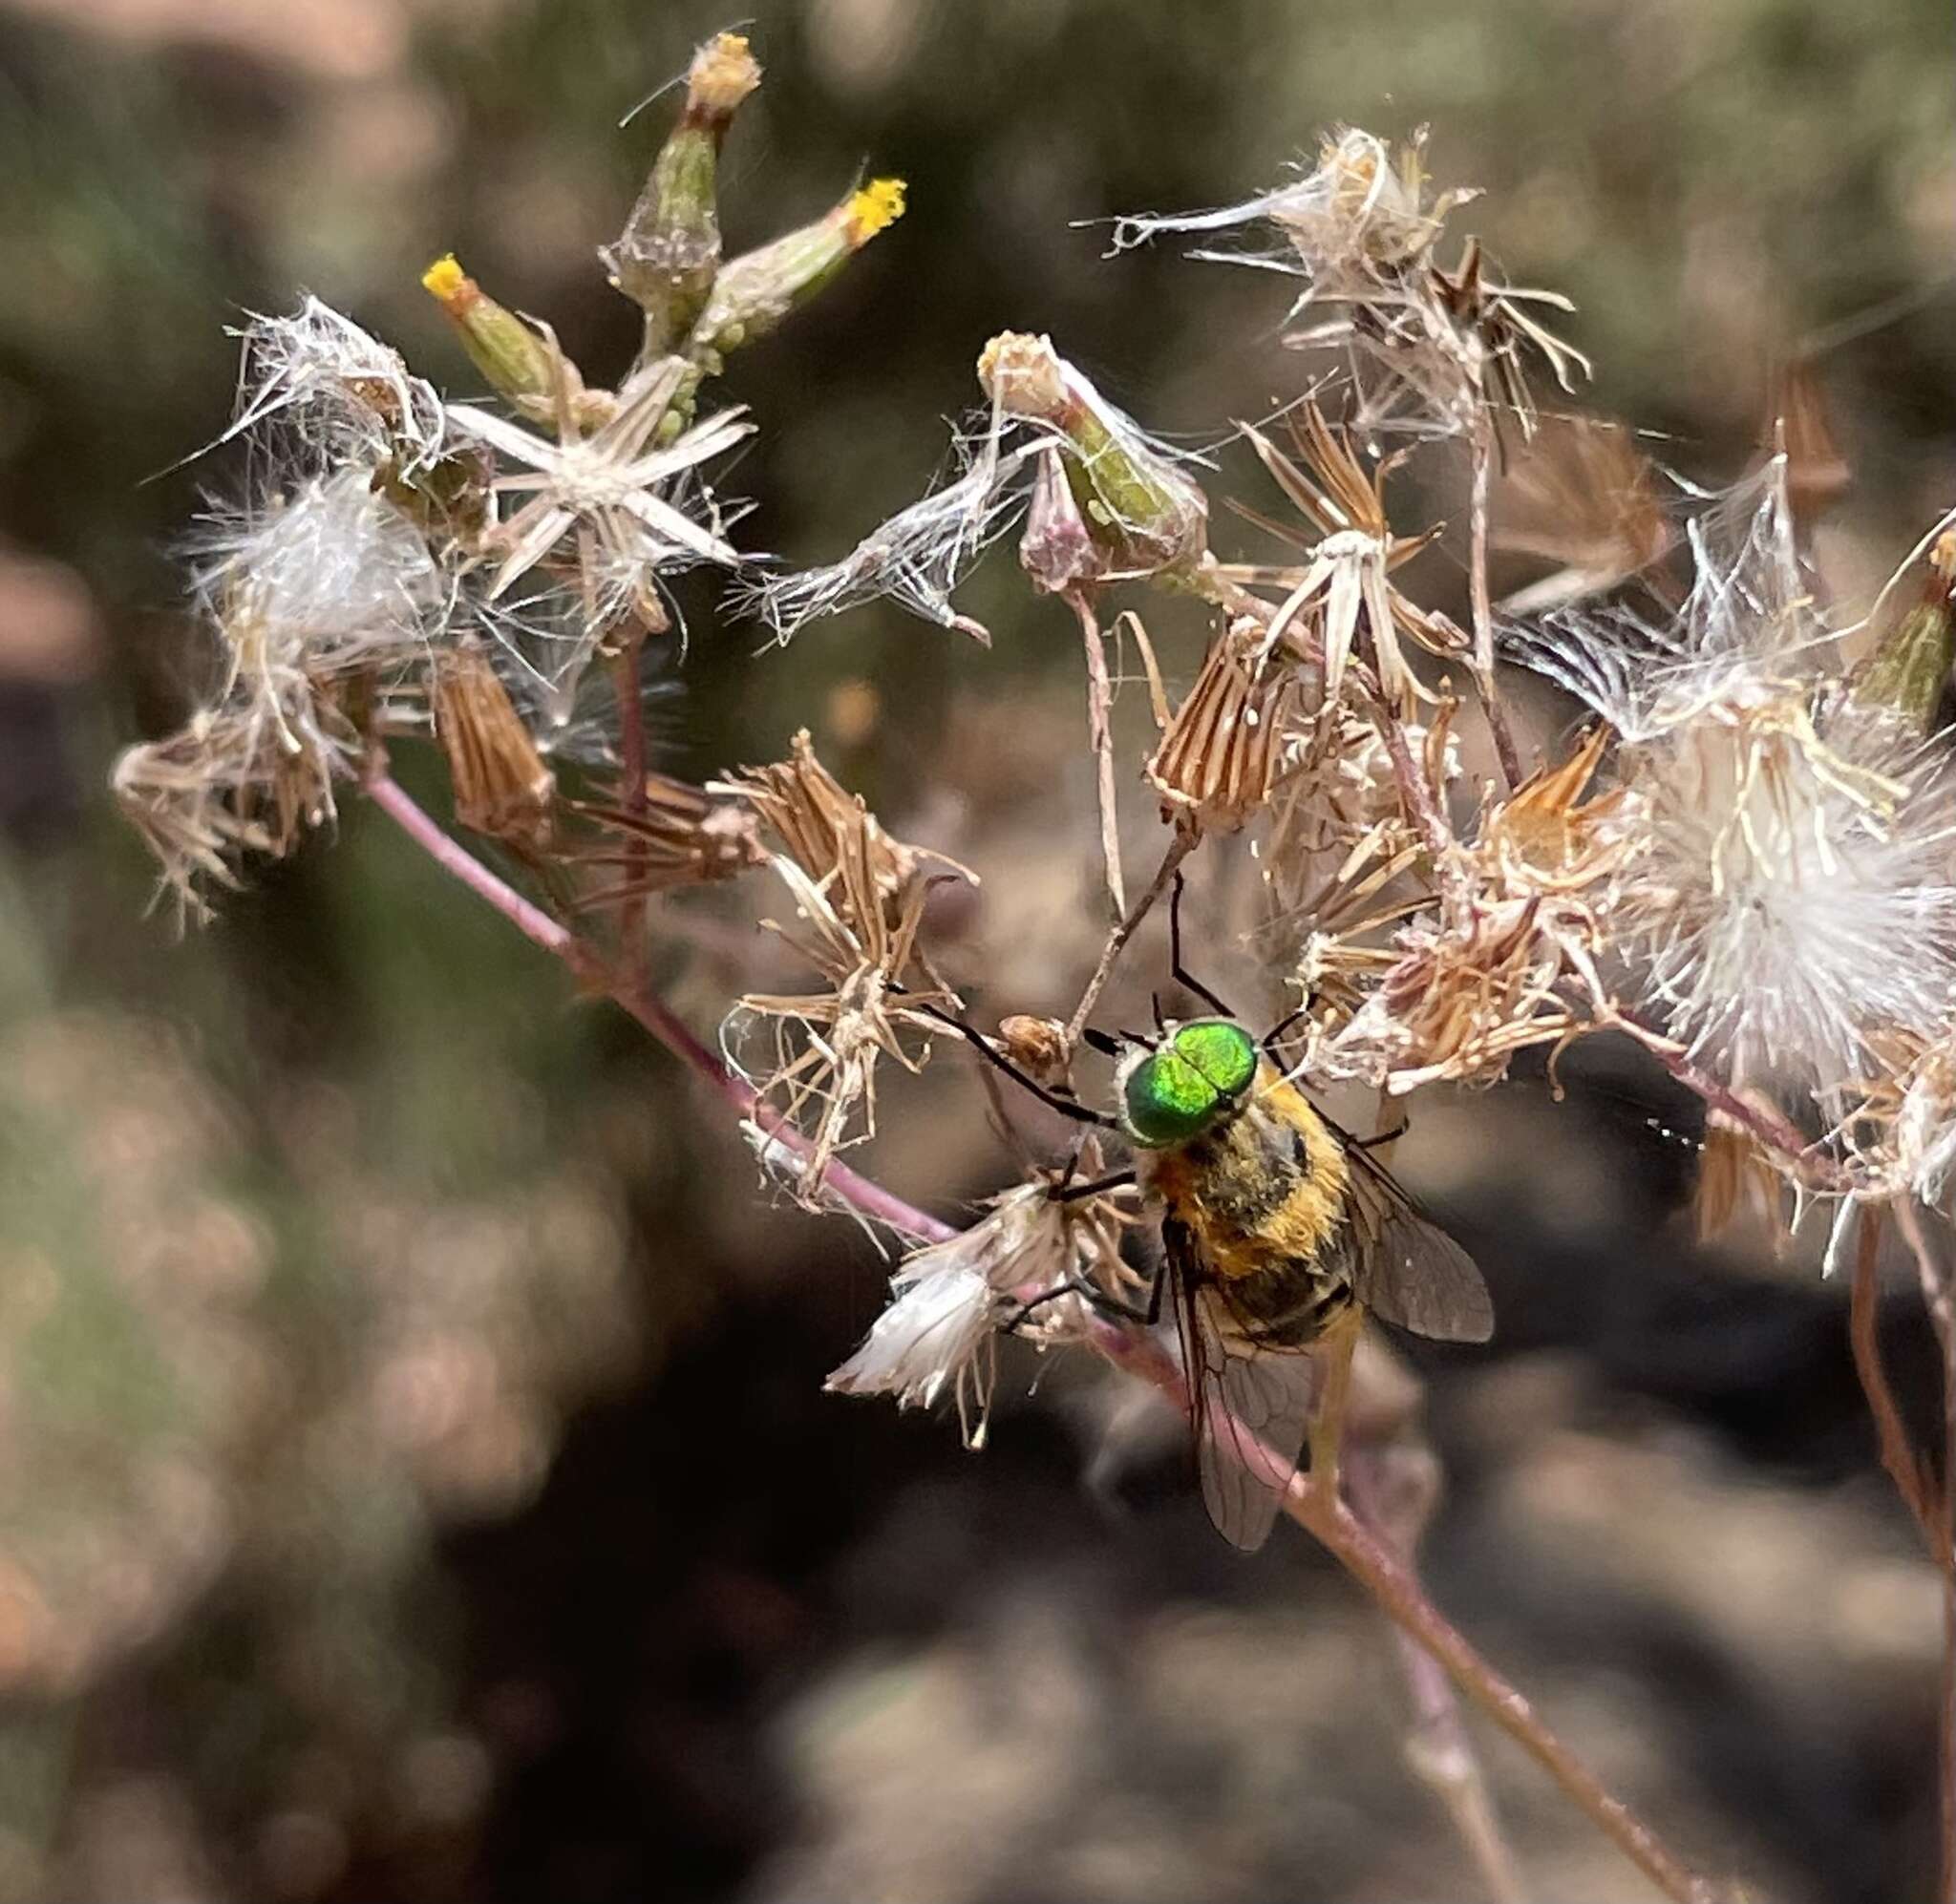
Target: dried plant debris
{"points": [[1746, 859]]}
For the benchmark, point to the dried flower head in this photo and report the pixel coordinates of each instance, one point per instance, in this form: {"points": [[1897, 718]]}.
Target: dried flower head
{"points": [[1585, 499], [859, 896], [1037, 1045], [1493, 975], [502, 788], [938, 1334], [1474, 364], [221, 788], [324, 584], [1222, 752], [1791, 901], [683, 836], [815, 819], [1430, 352], [628, 503], [1358, 219], [1348, 562]]}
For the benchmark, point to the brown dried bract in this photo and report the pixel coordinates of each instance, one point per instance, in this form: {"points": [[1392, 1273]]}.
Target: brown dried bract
{"points": [[1738, 1183], [860, 898], [821, 825], [502, 788], [1222, 755], [1351, 556], [682, 837], [1796, 424], [1458, 1001], [224, 785]]}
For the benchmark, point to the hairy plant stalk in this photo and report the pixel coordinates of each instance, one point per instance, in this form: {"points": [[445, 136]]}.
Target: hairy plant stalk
{"points": [[1364, 1552], [1939, 1297], [1101, 731]]}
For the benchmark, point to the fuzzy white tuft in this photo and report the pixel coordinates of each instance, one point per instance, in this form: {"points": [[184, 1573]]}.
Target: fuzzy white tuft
{"points": [[1789, 904], [936, 1336]]}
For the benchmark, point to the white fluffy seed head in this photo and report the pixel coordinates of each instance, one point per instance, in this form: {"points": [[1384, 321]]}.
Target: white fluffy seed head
{"points": [[1791, 897], [327, 578], [316, 393], [936, 1336], [1791, 900]]}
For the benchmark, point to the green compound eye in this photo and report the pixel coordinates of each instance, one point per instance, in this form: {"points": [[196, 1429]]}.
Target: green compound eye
{"points": [[1167, 1100], [1221, 1050]]}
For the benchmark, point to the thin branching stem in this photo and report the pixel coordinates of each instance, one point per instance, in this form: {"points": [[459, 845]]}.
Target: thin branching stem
{"points": [[1491, 706], [631, 767], [1101, 731], [1912, 1480], [1939, 1297], [1392, 1480], [1178, 849], [1368, 1556], [871, 1198], [1364, 1552]]}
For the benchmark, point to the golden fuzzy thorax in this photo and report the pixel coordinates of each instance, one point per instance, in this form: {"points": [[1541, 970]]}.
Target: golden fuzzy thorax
{"points": [[1263, 1190]]}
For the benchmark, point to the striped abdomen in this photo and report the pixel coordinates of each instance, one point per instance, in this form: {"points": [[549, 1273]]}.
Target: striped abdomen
{"points": [[1263, 1198]]}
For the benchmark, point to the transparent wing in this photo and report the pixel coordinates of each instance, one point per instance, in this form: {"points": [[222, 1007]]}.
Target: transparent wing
{"points": [[1249, 1407], [1407, 1271]]}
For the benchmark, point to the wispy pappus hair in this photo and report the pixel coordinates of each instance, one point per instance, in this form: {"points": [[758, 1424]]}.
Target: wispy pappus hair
{"points": [[1791, 897]]}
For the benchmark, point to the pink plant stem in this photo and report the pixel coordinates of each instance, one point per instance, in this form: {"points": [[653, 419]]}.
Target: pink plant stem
{"points": [[1939, 1297], [1367, 1557], [666, 1026], [1392, 1486], [1770, 1128], [1364, 1552], [632, 768]]}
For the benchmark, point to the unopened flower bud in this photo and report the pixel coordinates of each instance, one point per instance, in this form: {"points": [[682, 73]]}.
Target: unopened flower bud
{"points": [[670, 249], [1141, 511], [753, 295], [1056, 548], [1911, 664], [518, 360]]}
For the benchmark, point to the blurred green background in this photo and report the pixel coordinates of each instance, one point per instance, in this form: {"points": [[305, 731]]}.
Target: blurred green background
{"points": [[414, 1480]]}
